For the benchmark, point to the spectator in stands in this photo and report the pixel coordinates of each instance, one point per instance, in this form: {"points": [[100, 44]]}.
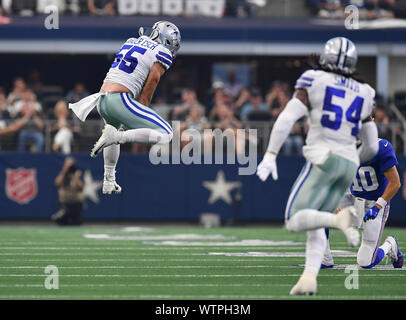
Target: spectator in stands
{"points": [[3, 19], [243, 98], [228, 121], [294, 142], [78, 92], [101, 7], [330, 8], [277, 98], [15, 95], [380, 8], [198, 123], [232, 87], [70, 192], [34, 81], [25, 97], [226, 118], [64, 136], [23, 7], [4, 113], [4, 129], [32, 130], [382, 122], [256, 103], [189, 100]]}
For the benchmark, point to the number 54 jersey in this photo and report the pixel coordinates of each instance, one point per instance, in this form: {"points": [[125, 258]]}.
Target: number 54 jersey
{"points": [[370, 181], [338, 105], [134, 60]]}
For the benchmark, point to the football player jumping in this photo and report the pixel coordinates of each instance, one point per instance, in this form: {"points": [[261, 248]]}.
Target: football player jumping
{"points": [[376, 183], [339, 109], [127, 91]]}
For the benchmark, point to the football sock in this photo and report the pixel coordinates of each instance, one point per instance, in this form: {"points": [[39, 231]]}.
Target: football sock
{"points": [[310, 219], [111, 155], [144, 135], [315, 247]]}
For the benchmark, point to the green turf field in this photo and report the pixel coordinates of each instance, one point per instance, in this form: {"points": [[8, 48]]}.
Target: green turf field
{"points": [[179, 263]]}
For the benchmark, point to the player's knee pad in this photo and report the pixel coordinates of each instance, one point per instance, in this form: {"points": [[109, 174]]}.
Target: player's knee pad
{"points": [[293, 224], [365, 253]]}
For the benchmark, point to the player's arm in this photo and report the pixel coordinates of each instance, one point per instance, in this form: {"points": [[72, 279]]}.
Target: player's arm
{"points": [[393, 185], [295, 109], [369, 138], [391, 189], [151, 83]]}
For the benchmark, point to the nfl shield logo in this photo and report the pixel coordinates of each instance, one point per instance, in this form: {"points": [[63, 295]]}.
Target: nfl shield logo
{"points": [[21, 185]]}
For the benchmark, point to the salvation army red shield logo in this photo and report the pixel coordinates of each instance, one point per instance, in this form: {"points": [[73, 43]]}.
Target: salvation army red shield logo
{"points": [[21, 185]]}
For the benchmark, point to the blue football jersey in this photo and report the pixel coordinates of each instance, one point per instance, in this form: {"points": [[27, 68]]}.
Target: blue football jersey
{"points": [[370, 181]]}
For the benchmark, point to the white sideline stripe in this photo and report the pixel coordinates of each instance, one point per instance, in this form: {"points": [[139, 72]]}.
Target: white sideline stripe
{"points": [[190, 275], [180, 243], [240, 243], [142, 267], [172, 285], [180, 236], [245, 259], [208, 259], [98, 254], [138, 229]]}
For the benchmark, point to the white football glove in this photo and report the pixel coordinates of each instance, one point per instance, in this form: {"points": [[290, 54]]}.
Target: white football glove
{"points": [[267, 166]]}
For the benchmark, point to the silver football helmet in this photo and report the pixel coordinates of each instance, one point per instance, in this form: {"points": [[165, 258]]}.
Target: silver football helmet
{"points": [[165, 33], [339, 54]]}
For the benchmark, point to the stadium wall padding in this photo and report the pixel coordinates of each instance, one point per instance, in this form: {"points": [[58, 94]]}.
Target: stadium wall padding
{"points": [[174, 192]]}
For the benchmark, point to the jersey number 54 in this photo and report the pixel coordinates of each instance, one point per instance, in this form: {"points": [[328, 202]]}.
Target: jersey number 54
{"points": [[353, 113]]}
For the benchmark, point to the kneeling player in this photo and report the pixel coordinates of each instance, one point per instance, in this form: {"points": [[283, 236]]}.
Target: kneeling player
{"points": [[376, 183]]}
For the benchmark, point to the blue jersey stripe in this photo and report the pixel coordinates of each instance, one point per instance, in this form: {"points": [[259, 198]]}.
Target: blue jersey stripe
{"points": [[165, 55], [163, 60], [306, 78], [303, 84]]}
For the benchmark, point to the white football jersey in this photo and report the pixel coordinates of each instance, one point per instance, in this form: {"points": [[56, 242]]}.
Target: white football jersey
{"points": [[338, 105], [134, 61]]}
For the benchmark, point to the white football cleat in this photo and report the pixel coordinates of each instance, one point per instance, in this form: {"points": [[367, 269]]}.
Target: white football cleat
{"points": [[344, 220], [307, 285], [108, 137], [110, 187]]}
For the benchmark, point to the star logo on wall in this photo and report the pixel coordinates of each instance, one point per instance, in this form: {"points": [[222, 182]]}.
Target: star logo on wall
{"points": [[220, 189], [91, 187]]}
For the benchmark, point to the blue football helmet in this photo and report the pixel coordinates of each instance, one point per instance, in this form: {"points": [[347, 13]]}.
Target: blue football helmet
{"points": [[165, 33], [339, 54]]}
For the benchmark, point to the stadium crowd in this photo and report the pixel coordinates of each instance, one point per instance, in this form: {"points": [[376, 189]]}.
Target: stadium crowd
{"points": [[335, 9], [368, 9], [32, 114], [216, 8]]}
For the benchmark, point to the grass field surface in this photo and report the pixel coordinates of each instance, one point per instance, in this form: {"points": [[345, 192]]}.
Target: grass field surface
{"points": [[180, 263]]}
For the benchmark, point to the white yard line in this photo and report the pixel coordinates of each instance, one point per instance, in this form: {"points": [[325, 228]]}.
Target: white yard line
{"points": [[372, 274], [197, 297]]}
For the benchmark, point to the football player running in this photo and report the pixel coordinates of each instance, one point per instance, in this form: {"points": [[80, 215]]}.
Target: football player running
{"points": [[339, 109], [376, 183], [127, 91]]}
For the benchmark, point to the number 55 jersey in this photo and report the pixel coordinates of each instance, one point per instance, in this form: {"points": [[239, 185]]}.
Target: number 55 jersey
{"points": [[134, 60], [370, 181], [338, 105]]}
